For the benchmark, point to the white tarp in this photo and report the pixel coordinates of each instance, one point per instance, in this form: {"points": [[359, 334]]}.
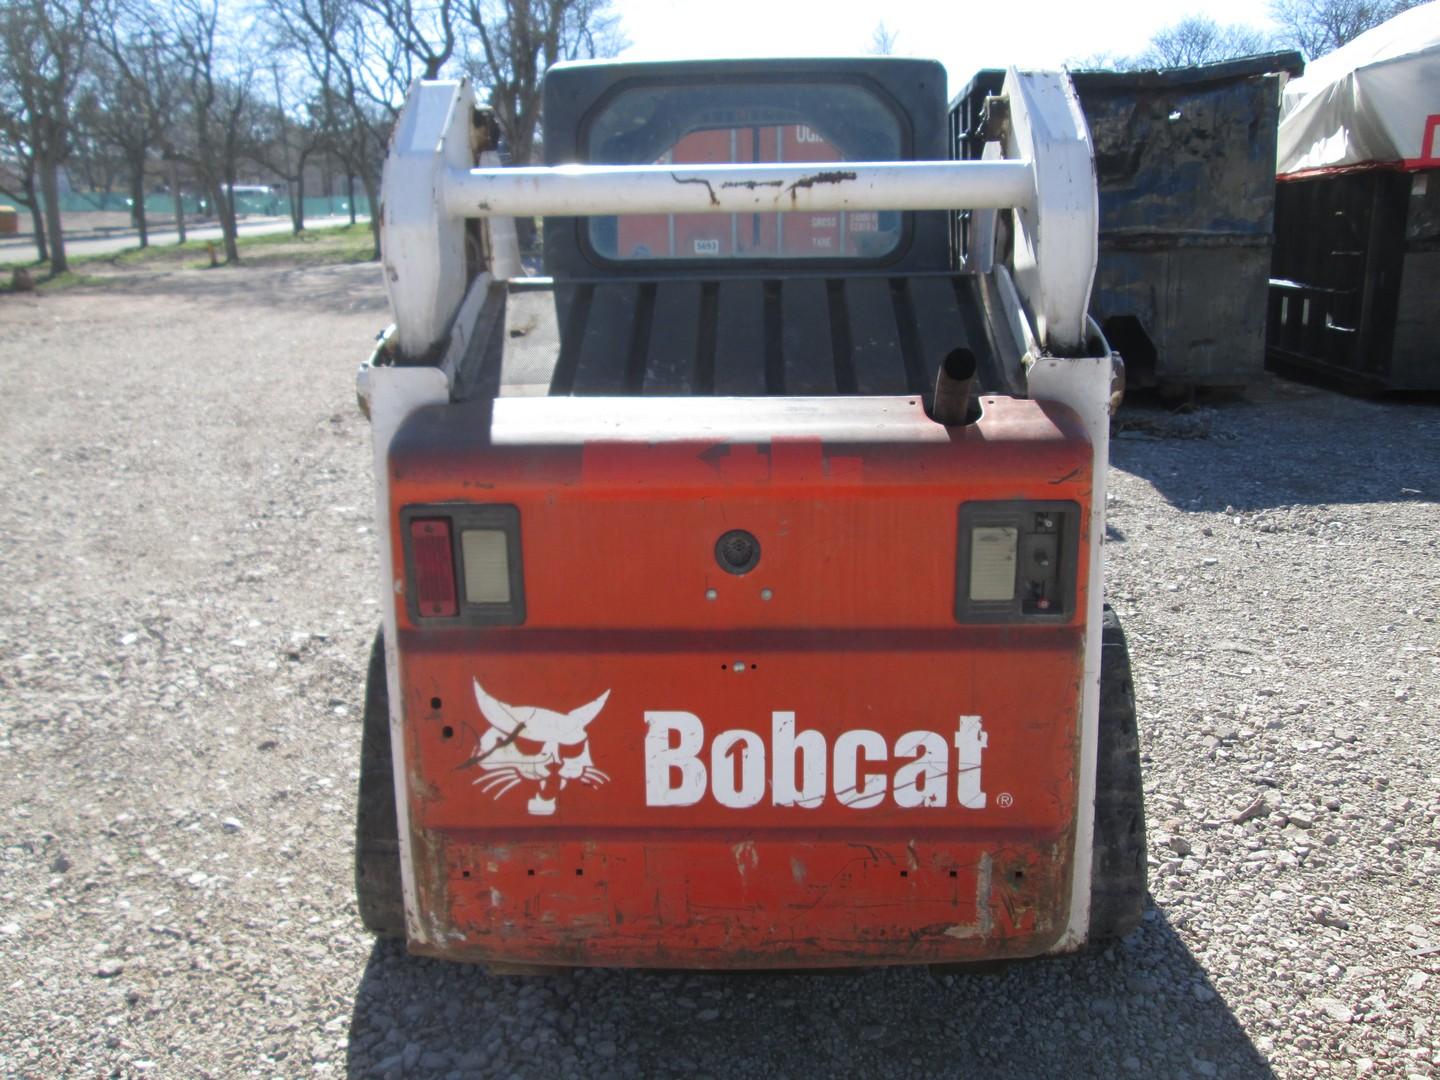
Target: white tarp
{"points": [[1375, 100]]}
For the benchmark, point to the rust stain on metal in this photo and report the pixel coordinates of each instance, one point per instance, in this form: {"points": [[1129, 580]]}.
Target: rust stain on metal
{"points": [[830, 176], [751, 185], [432, 885], [697, 180], [984, 921], [421, 788]]}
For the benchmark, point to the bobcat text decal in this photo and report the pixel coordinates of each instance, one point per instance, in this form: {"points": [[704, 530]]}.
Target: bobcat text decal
{"points": [[861, 771]]}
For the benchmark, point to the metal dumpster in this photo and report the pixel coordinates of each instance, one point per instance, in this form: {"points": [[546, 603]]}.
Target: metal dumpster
{"points": [[1357, 270], [1185, 162], [1357, 212]]}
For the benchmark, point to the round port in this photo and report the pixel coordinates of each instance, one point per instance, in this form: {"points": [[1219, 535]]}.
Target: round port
{"points": [[737, 552]]}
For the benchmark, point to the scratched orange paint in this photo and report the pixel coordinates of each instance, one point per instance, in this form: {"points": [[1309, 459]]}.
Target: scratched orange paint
{"points": [[641, 848]]}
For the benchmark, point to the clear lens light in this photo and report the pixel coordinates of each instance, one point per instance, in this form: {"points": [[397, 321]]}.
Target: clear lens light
{"points": [[992, 562], [487, 566]]}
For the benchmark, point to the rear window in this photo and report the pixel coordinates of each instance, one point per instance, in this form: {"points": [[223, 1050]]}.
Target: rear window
{"points": [[745, 124]]}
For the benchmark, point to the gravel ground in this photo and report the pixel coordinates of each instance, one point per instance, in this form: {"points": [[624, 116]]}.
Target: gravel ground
{"points": [[186, 548]]}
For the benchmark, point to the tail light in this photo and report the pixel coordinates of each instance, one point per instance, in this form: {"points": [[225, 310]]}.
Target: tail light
{"points": [[463, 564], [434, 563], [1016, 562]]}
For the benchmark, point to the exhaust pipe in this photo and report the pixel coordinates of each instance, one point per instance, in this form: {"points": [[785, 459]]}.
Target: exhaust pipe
{"points": [[954, 388]]}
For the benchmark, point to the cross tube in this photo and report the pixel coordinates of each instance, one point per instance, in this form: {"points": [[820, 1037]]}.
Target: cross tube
{"points": [[587, 190]]}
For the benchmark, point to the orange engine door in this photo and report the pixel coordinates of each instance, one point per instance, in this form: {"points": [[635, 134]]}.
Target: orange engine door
{"points": [[808, 763]]}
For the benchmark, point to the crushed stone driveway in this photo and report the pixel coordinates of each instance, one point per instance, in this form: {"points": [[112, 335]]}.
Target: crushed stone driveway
{"points": [[187, 551]]}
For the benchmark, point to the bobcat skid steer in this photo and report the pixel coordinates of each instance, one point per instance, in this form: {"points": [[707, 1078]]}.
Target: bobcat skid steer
{"points": [[742, 574]]}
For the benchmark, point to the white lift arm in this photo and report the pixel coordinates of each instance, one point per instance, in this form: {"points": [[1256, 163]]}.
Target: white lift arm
{"points": [[1046, 175], [578, 190]]}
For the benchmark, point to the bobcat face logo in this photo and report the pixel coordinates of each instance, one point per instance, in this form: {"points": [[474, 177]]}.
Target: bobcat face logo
{"points": [[529, 745]]}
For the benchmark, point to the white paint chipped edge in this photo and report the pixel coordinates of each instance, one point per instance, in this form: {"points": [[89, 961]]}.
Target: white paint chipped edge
{"points": [[393, 394], [1084, 385]]}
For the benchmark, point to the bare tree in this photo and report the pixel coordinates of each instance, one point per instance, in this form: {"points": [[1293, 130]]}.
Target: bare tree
{"points": [[362, 56], [42, 50], [882, 40], [287, 138], [218, 83], [423, 34], [134, 85], [94, 163], [19, 175], [1199, 39], [519, 40], [1104, 60], [1195, 39], [116, 126], [1321, 26], [361, 70]]}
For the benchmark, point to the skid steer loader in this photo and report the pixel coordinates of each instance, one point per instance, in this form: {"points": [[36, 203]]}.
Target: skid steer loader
{"points": [[742, 564]]}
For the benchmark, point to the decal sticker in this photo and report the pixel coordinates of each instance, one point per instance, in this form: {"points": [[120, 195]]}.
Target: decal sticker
{"points": [[537, 750], [863, 771]]}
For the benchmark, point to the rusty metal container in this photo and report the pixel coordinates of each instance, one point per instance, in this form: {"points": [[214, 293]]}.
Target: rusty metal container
{"points": [[1185, 160], [1357, 270]]}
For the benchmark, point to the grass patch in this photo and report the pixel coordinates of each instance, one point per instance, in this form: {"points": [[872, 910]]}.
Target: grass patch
{"points": [[313, 247], [332, 244]]}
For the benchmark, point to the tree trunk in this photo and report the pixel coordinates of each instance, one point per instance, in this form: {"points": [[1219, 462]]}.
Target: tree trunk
{"points": [[179, 200], [225, 211], [37, 218], [350, 199], [298, 211], [372, 193], [137, 196], [50, 189]]}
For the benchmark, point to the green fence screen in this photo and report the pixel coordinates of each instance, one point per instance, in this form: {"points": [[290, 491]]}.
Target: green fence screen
{"points": [[248, 203]]}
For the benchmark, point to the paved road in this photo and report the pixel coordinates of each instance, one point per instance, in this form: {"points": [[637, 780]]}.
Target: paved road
{"points": [[22, 249]]}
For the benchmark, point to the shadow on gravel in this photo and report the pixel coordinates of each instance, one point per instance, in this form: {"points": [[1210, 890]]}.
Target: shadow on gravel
{"points": [[338, 287], [1144, 1008], [1298, 445]]}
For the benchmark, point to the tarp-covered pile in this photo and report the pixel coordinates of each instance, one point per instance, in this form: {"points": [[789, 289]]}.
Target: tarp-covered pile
{"points": [[1375, 101]]}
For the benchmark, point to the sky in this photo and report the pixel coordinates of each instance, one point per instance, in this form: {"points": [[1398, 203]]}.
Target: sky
{"points": [[963, 36]]}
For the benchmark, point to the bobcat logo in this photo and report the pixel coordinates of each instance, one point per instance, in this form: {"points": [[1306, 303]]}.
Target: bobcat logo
{"points": [[527, 743]]}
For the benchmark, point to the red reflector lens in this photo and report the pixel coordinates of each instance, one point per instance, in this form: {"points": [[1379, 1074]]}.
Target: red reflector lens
{"points": [[434, 566]]}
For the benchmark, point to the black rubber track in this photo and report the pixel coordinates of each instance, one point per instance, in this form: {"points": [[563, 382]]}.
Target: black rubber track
{"points": [[377, 838], [1117, 884]]}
